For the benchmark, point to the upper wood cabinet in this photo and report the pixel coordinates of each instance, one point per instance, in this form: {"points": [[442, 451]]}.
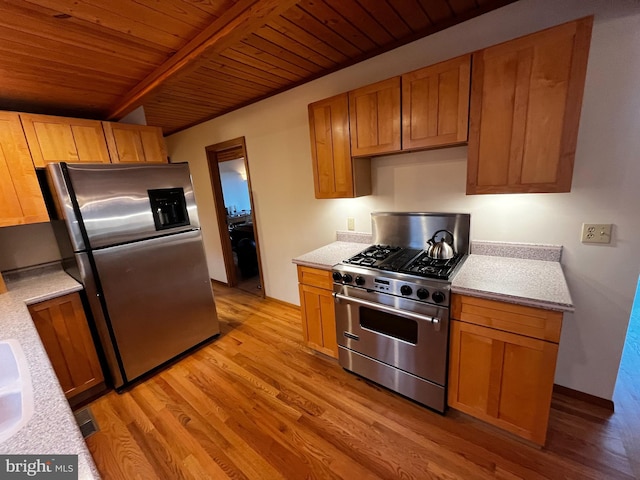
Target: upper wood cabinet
{"points": [[526, 97], [134, 143], [502, 363], [20, 197], [64, 331], [335, 173], [374, 118], [435, 104], [60, 139]]}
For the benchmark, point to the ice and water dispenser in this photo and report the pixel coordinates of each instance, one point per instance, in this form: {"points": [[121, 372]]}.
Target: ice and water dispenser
{"points": [[169, 208]]}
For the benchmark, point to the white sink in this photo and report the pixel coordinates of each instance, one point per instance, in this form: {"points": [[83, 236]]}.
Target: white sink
{"points": [[16, 392]]}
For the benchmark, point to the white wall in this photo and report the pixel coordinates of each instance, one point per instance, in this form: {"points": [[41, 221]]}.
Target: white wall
{"points": [[606, 182]]}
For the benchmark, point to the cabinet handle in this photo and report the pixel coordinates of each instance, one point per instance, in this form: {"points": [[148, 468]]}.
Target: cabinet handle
{"points": [[351, 336], [378, 306]]}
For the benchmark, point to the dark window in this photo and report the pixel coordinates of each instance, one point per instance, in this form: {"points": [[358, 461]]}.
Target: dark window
{"points": [[388, 324]]}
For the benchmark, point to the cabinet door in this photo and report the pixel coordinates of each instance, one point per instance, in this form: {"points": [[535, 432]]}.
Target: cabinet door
{"points": [[317, 310], [502, 378], [333, 168], [435, 104], [20, 197], [374, 118], [525, 108], [318, 319], [65, 334], [59, 139], [135, 143]]}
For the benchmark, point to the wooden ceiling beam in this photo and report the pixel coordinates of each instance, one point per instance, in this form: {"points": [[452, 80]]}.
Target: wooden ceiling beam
{"points": [[244, 18]]}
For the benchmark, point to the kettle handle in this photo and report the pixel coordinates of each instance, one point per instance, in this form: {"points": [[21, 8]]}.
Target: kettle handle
{"points": [[443, 237]]}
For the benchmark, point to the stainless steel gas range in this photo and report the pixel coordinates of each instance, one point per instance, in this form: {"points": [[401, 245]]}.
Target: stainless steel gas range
{"points": [[392, 303]]}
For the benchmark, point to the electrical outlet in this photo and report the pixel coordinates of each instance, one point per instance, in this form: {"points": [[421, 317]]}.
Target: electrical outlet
{"points": [[351, 224], [596, 233]]}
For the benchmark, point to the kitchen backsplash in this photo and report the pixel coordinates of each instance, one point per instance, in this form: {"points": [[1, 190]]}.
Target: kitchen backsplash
{"points": [[27, 245], [354, 237], [530, 251]]}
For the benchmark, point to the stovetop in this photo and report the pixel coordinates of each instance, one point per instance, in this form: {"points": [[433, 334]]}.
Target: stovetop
{"points": [[404, 260], [397, 265]]}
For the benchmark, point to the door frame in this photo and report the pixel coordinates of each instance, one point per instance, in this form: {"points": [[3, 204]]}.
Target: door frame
{"points": [[216, 154]]}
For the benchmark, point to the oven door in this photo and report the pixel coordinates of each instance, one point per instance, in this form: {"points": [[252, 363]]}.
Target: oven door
{"points": [[405, 334]]}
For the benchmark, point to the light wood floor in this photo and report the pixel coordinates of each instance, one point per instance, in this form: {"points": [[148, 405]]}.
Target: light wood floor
{"points": [[256, 404]]}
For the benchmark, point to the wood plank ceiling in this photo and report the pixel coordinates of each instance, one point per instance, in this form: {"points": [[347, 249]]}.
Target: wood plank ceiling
{"points": [[187, 61]]}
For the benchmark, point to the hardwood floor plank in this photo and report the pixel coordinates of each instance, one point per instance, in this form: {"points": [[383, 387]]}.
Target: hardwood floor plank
{"points": [[174, 422], [161, 458], [258, 404], [355, 418], [124, 458], [214, 431]]}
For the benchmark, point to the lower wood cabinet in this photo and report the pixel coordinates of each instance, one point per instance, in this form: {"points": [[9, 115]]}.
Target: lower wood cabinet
{"points": [[66, 337], [317, 309], [502, 364]]}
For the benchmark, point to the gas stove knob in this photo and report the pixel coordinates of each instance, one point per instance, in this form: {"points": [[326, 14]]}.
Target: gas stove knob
{"points": [[337, 276], [437, 297], [422, 293], [359, 280], [347, 278], [406, 290]]}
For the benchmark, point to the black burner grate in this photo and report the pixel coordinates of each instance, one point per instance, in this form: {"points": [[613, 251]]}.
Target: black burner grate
{"points": [[373, 256], [426, 266], [404, 260]]}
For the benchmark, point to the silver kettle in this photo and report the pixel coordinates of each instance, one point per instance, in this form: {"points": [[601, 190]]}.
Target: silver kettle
{"points": [[441, 250]]}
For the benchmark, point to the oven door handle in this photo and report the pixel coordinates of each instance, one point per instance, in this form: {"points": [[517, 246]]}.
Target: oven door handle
{"points": [[416, 316]]}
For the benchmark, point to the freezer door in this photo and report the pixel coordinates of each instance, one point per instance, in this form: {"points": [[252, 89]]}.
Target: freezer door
{"points": [[124, 203], [158, 297]]}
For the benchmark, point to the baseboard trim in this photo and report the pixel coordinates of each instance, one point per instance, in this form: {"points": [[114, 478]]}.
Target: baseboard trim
{"points": [[585, 397], [282, 302]]}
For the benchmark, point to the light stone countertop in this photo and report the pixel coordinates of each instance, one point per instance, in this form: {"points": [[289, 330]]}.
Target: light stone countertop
{"points": [[534, 283], [52, 429], [326, 257], [525, 274]]}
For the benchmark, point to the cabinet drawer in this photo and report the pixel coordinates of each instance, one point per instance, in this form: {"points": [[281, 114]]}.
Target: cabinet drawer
{"points": [[315, 277], [529, 321]]}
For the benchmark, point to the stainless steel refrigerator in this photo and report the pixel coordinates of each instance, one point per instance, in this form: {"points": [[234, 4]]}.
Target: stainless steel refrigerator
{"points": [[131, 235]]}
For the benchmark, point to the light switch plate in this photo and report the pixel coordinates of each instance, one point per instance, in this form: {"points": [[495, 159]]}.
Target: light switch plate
{"points": [[351, 224], [596, 233]]}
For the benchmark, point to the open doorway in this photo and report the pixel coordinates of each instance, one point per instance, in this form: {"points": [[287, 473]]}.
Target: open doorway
{"points": [[231, 184]]}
